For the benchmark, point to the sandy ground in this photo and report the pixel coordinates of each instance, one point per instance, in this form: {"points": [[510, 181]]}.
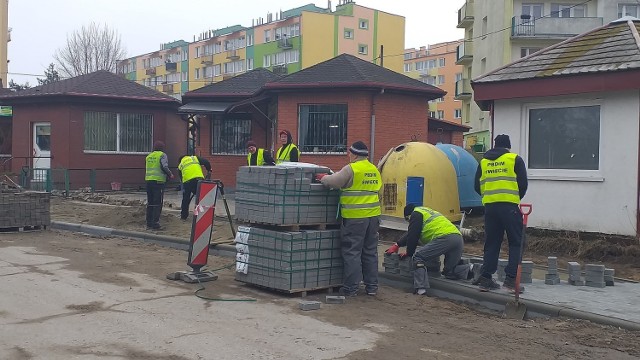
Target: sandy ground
{"points": [[168, 322], [67, 295]]}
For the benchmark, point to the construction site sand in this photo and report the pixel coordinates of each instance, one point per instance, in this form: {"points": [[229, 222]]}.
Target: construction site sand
{"points": [[108, 298]]}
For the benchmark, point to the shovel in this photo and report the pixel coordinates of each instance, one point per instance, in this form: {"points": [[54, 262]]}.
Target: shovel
{"points": [[516, 309]]}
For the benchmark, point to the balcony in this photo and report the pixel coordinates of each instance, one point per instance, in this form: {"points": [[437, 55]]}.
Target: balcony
{"points": [[465, 15], [522, 27], [463, 89], [151, 71], [280, 70], [464, 53], [207, 60], [167, 88], [171, 67], [285, 43], [233, 55]]}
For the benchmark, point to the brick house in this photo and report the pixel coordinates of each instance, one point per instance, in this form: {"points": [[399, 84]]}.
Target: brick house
{"points": [[95, 121], [326, 108]]}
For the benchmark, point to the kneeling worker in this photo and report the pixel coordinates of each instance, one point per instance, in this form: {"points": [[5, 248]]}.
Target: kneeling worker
{"points": [[191, 172], [437, 236]]}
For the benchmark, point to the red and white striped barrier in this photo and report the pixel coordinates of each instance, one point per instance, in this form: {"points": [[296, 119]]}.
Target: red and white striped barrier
{"points": [[202, 226]]}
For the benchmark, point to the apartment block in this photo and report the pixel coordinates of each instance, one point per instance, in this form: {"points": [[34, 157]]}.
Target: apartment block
{"points": [[283, 42], [498, 32], [436, 65]]}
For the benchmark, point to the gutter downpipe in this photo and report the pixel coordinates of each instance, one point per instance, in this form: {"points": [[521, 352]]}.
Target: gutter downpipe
{"points": [[638, 185], [491, 112], [373, 126]]}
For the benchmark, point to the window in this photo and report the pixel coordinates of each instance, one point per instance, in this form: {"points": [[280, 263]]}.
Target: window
{"points": [[431, 80], [118, 132], [208, 72], [280, 58], [441, 62], [420, 65], [628, 10], [230, 136], [533, 10], [323, 128], [217, 70], [185, 76], [458, 77], [440, 79], [217, 48], [408, 56], [249, 64], [564, 138], [363, 24], [440, 114], [185, 55], [363, 49], [292, 56], [348, 33], [457, 113], [250, 40], [173, 78], [407, 67], [528, 51], [294, 30], [198, 52], [234, 67], [432, 114], [266, 61], [267, 36], [197, 75], [484, 27], [567, 10]]}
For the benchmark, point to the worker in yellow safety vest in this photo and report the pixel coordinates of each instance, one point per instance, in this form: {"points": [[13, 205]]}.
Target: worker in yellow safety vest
{"points": [[258, 156], [360, 182], [288, 152], [501, 179], [156, 173], [429, 236], [190, 168]]}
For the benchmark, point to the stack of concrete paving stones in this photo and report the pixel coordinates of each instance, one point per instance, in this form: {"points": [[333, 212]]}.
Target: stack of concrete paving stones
{"points": [[502, 264], [405, 267], [575, 273], [552, 277], [24, 209], [284, 195], [527, 272], [594, 275], [608, 276], [292, 260], [279, 201], [391, 263]]}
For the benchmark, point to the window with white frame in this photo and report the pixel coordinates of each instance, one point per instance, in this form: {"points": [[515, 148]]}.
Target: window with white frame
{"points": [[457, 113], [363, 24], [249, 39], [292, 56], [208, 49], [217, 48], [408, 56], [628, 10], [266, 61], [407, 67], [568, 10], [173, 78], [564, 138], [267, 36], [534, 10], [185, 55], [363, 49], [208, 72], [420, 65], [431, 80], [432, 114], [197, 73], [217, 70], [230, 136], [294, 30], [249, 64], [234, 67], [280, 58], [185, 76], [440, 114], [440, 79], [458, 77], [348, 34], [118, 132], [441, 62], [198, 51], [528, 51], [323, 128]]}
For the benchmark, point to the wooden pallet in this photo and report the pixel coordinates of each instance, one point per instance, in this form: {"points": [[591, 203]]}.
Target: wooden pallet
{"points": [[13, 229], [333, 289]]}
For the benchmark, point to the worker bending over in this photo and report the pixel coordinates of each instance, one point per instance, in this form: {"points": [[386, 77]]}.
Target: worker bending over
{"points": [[191, 172], [436, 236]]}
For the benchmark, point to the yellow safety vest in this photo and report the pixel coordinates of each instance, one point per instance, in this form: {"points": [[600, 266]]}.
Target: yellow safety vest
{"points": [[190, 168], [434, 225], [259, 158], [498, 182], [154, 168], [284, 153], [361, 199]]}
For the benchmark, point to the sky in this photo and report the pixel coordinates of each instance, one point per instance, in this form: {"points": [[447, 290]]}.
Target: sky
{"points": [[40, 27]]}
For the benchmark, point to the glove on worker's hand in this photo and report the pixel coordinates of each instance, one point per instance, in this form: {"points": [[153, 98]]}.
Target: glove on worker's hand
{"points": [[404, 255], [393, 249], [319, 177]]}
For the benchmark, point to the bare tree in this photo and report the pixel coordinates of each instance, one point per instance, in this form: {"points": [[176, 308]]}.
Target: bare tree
{"points": [[92, 48]]}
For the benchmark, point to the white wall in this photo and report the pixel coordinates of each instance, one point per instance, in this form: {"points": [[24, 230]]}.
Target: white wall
{"points": [[602, 201]]}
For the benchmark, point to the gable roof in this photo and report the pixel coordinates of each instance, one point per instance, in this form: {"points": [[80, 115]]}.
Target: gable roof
{"points": [[613, 47], [243, 85], [348, 71], [100, 84]]}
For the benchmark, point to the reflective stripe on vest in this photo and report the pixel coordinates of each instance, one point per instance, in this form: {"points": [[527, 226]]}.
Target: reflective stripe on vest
{"points": [[361, 200], [498, 181], [434, 225], [190, 168], [153, 170], [284, 154], [259, 158]]}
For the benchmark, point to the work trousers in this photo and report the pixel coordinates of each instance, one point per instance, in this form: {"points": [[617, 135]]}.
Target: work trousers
{"points": [[498, 218], [449, 245], [189, 189], [155, 198], [360, 253]]}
